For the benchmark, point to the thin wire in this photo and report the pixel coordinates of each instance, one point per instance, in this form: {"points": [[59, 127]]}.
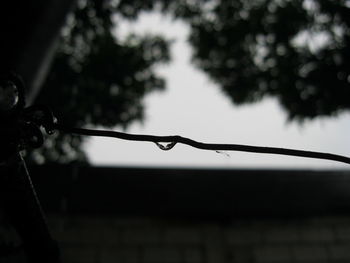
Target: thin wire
{"points": [[173, 140]]}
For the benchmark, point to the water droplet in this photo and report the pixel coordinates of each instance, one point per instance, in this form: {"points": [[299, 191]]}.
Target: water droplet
{"points": [[167, 146]]}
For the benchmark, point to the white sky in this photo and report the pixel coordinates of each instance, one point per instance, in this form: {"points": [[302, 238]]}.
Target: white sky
{"points": [[193, 106]]}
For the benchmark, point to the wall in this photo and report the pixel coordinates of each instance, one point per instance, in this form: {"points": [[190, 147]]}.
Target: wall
{"points": [[104, 215], [91, 239]]}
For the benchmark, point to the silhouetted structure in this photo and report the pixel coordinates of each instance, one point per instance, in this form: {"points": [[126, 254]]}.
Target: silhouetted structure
{"points": [[194, 215], [29, 35]]}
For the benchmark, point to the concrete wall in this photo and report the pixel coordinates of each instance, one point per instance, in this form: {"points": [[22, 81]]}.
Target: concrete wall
{"points": [[141, 215], [95, 239]]}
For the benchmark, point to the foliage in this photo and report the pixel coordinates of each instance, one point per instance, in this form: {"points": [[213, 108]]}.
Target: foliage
{"points": [[296, 51], [97, 79]]}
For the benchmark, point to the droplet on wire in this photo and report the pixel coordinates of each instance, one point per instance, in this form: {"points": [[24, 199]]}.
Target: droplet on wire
{"points": [[165, 146]]}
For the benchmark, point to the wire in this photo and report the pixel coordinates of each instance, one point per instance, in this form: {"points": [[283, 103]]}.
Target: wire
{"points": [[173, 140]]}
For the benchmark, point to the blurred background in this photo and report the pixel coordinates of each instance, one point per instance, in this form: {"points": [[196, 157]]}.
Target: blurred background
{"points": [[252, 72], [263, 72]]}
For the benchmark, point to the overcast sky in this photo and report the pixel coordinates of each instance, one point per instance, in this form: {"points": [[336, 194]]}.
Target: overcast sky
{"points": [[193, 106]]}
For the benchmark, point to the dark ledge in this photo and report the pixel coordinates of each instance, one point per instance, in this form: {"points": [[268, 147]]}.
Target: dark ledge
{"points": [[192, 193]]}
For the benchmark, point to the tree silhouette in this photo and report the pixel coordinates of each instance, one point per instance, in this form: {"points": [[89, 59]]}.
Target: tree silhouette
{"points": [[296, 51], [97, 79]]}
